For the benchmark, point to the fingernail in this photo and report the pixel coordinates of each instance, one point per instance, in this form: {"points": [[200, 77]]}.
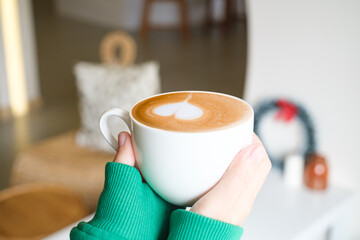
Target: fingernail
{"points": [[256, 153], [122, 139]]}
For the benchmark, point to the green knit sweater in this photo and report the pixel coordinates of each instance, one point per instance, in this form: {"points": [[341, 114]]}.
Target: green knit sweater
{"points": [[129, 209]]}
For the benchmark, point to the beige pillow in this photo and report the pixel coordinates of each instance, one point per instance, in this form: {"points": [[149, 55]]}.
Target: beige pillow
{"points": [[102, 86]]}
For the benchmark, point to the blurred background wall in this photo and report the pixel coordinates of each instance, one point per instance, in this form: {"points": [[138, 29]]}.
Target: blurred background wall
{"points": [[310, 50], [4, 97], [29, 48]]}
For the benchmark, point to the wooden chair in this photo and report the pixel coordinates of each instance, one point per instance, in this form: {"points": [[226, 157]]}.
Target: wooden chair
{"points": [[33, 211], [145, 25]]}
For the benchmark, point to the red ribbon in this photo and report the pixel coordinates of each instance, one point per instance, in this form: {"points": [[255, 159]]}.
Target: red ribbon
{"points": [[287, 110]]}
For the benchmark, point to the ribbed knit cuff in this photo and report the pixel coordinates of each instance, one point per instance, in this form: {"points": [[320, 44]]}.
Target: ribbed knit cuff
{"points": [[190, 225], [85, 231], [118, 208]]}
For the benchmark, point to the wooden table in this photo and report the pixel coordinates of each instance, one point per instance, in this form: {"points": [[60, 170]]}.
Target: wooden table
{"points": [[32, 211], [59, 160]]}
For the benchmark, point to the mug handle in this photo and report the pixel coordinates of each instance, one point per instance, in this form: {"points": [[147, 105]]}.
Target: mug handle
{"points": [[104, 126]]}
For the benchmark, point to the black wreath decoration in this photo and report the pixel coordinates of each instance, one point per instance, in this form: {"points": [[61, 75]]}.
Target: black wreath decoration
{"points": [[286, 110]]}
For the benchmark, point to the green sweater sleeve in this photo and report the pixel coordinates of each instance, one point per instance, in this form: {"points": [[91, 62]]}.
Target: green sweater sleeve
{"points": [[129, 209], [190, 225]]}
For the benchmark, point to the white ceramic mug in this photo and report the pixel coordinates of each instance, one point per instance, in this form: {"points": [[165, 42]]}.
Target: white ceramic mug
{"points": [[181, 166]]}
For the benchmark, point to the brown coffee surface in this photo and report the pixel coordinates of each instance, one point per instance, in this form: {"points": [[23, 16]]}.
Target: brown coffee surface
{"points": [[219, 112]]}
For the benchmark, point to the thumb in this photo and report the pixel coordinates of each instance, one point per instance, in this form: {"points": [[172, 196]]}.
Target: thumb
{"points": [[125, 152]]}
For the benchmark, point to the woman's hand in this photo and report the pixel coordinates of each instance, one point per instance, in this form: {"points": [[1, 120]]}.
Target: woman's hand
{"points": [[231, 199]]}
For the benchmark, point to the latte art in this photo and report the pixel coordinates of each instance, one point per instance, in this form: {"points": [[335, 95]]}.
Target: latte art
{"points": [[191, 111], [182, 110]]}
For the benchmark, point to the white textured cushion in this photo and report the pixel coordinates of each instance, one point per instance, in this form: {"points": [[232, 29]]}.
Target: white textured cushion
{"points": [[102, 86]]}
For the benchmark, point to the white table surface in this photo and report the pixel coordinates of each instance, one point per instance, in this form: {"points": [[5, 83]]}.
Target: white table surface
{"points": [[283, 213]]}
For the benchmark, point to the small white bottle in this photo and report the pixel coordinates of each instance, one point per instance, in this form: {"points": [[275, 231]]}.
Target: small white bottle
{"points": [[294, 171]]}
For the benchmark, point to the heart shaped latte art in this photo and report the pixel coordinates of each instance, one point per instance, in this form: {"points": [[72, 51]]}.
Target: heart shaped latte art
{"points": [[182, 110]]}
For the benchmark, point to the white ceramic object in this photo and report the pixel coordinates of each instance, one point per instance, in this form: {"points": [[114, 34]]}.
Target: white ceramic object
{"points": [[181, 166]]}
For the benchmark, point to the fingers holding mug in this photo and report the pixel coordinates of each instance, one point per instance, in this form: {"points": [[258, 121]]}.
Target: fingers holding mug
{"points": [[125, 153]]}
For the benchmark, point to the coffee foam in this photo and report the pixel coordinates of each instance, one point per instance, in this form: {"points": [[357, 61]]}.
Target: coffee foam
{"points": [[191, 111], [182, 110]]}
